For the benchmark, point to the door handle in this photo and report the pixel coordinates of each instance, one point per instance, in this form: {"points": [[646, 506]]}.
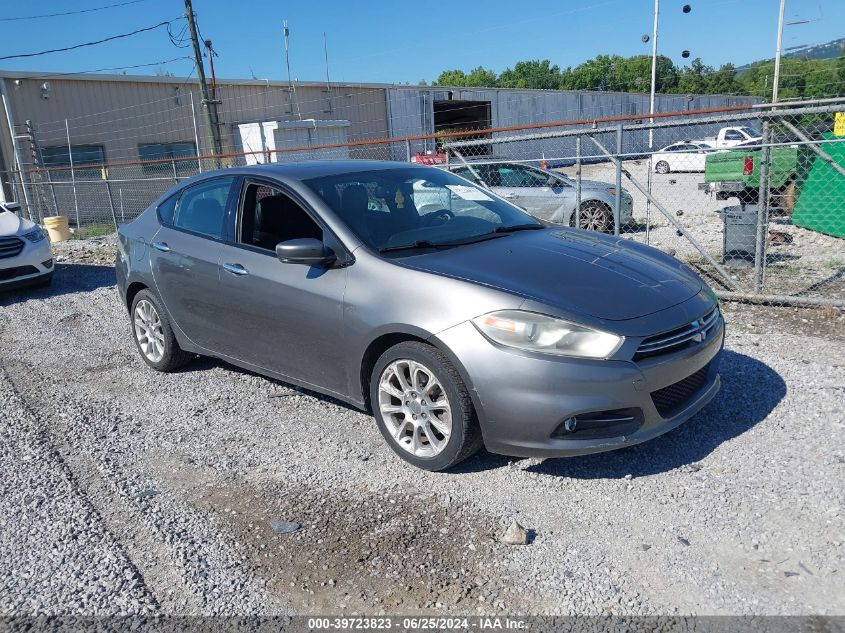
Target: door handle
{"points": [[509, 196], [162, 246], [235, 269]]}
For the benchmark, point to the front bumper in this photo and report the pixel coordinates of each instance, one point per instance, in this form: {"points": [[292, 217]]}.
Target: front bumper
{"points": [[524, 400], [32, 265], [722, 186]]}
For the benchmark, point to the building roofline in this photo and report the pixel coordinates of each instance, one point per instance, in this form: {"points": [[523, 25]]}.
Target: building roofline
{"points": [[37, 75]]}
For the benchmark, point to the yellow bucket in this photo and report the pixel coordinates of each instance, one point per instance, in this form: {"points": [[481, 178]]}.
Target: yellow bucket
{"points": [[57, 228]]}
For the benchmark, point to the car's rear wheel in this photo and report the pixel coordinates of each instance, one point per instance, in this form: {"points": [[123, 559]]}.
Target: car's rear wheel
{"points": [[153, 335], [595, 216], [422, 407], [662, 167]]}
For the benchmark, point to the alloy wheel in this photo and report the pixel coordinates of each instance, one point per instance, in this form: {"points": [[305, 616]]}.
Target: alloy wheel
{"points": [[148, 331], [593, 218], [415, 408]]}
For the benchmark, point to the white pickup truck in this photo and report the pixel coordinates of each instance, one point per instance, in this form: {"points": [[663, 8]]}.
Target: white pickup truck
{"points": [[731, 136]]}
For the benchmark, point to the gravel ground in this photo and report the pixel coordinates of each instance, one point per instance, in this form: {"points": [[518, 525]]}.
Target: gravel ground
{"points": [[128, 491]]}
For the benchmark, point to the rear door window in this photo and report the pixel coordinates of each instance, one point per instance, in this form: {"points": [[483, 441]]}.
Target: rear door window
{"points": [[518, 176], [202, 208]]}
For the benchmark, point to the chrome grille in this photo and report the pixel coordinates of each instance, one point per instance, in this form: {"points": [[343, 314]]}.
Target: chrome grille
{"points": [[696, 332], [10, 246]]}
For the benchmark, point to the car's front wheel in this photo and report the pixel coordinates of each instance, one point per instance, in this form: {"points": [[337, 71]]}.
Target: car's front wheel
{"points": [[662, 167], [153, 335], [595, 216], [422, 407]]}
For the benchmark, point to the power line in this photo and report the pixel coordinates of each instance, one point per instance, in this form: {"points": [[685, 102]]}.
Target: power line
{"points": [[100, 70], [56, 15], [107, 39]]}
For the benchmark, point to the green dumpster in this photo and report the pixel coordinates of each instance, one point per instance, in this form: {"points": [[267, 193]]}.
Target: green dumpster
{"points": [[821, 202]]}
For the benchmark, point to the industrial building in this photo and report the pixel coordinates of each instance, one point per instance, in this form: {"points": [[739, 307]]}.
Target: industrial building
{"points": [[115, 119]]}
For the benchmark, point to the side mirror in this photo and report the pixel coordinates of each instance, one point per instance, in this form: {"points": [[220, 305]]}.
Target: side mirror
{"points": [[307, 250]]}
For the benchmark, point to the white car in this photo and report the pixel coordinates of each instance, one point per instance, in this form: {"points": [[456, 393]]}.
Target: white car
{"points": [[683, 156], [25, 254]]}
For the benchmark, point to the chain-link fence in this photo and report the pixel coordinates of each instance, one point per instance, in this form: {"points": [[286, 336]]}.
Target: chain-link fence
{"points": [[755, 201], [753, 197]]}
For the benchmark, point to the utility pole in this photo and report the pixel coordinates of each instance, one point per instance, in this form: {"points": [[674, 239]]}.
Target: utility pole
{"points": [[653, 72], [209, 104], [651, 120], [776, 79]]}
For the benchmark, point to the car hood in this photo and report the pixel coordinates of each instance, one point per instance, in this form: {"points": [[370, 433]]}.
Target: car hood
{"points": [[12, 224], [576, 272]]}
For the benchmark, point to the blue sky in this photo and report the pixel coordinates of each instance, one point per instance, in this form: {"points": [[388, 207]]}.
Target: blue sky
{"points": [[403, 41]]}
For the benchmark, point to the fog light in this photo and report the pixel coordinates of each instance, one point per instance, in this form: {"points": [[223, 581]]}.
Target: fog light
{"points": [[569, 424], [48, 263]]}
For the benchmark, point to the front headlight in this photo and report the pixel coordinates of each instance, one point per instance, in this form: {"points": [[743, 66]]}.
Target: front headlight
{"points": [[35, 235], [540, 333]]}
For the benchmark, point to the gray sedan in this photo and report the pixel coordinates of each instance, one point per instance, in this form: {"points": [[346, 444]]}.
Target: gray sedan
{"points": [[468, 325], [549, 195]]}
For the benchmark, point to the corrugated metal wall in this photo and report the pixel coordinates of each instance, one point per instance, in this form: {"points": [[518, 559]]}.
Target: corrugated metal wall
{"points": [[121, 114], [411, 113]]}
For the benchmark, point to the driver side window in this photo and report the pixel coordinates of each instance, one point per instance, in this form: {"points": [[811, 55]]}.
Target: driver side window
{"points": [[269, 216]]}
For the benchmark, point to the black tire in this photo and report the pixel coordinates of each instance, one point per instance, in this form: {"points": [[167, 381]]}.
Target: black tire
{"points": [[173, 356], [465, 437], [748, 196], [662, 167], [594, 216]]}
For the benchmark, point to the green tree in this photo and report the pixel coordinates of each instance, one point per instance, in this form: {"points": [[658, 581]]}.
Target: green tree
{"points": [[481, 77], [531, 74], [451, 78], [724, 81], [693, 79], [623, 74]]}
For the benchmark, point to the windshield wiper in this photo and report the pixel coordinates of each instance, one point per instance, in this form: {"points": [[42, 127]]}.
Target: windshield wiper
{"points": [[518, 227], [417, 244], [497, 232]]}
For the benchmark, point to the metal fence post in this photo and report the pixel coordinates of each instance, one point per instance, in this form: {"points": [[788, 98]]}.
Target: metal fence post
{"points": [[52, 192], [196, 134], [578, 181], [617, 203], [72, 176], [762, 209], [407, 150], [111, 204], [18, 159], [173, 167]]}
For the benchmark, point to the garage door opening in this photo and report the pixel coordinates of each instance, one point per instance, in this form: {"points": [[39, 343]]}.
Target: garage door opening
{"points": [[457, 115]]}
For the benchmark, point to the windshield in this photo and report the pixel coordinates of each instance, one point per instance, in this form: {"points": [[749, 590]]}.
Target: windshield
{"points": [[412, 207], [750, 131]]}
